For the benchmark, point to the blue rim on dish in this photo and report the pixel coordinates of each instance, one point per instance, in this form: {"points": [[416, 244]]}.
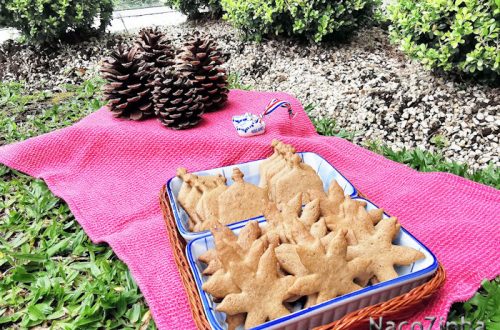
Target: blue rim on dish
{"points": [[175, 210], [213, 322]]}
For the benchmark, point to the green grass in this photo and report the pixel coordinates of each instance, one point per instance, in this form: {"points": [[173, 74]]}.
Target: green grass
{"points": [[52, 276], [483, 307], [426, 161]]}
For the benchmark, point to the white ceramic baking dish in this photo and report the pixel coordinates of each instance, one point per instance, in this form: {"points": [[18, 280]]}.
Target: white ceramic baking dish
{"points": [[251, 171], [329, 311]]}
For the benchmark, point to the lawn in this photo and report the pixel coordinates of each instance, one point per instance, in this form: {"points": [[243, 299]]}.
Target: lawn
{"points": [[51, 275]]}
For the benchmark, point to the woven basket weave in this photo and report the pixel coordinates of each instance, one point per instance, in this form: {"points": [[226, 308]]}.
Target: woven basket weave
{"points": [[398, 308]]}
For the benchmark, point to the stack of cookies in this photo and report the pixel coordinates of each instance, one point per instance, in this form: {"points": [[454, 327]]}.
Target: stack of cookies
{"points": [[301, 257], [314, 246], [207, 199]]}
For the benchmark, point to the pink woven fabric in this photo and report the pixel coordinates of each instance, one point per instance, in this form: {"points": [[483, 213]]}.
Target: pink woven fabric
{"points": [[110, 172]]}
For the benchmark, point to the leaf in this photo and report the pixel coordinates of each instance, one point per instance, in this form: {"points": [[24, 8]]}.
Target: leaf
{"points": [[134, 314], [36, 257], [56, 315], [58, 247], [35, 313], [21, 275]]}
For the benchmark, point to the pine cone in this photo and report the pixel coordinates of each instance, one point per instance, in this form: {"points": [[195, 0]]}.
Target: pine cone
{"points": [[200, 61], [177, 103], [155, 49], [128, 91]]}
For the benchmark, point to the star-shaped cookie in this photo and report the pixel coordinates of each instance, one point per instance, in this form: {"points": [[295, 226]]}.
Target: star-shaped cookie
{"points": [[384, 255], [323, 270], [245, 239], [263, 291], [229, 252]]}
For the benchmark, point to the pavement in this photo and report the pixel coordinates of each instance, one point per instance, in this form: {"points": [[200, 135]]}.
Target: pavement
{"points": [[126, 20], [134, 19]]}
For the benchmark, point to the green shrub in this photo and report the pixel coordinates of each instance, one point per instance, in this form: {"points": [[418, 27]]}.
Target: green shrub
{"points": [[3, 13], [47, 21], [453, 35], [195, 8], [313, 19]]}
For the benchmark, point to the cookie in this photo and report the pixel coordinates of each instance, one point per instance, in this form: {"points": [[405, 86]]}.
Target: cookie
{"points": [[329, 202], [245, 239], [319, 229], [190, 193], [235, 321], [208, 205], [283, 169], [376, 215], [185, 187], [241, 200], [212, 261], [329, 273], [352, 217], [384, 255], [311, 212], [278, 163], [263, 291], [289, 225], [300, 177], [229, 252], [268, 163], [276, 167]]}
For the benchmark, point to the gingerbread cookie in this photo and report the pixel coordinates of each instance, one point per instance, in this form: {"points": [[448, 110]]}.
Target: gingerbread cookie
{"points": [[235, 321], [245, 239], [311, 212], [186, 185], [329, 203], [329, 274], [384, 255], [263, 291], [212, 261], [190, 193], [277, 165], [208, 205], [299, 178], [289, 225], [230, 252], [376, 215], [268, 163], [352, 217], [241, 200]]}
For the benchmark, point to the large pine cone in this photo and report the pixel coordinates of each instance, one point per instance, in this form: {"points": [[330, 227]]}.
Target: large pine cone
{"points": [[200, 61], [177, 103], [128, 91], [156, 49]]}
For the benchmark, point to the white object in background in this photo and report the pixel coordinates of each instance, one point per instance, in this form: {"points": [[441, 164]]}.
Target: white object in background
{"points": [[249, 125]]}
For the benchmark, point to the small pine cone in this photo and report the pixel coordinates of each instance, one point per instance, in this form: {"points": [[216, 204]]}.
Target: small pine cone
{"points": [[200, 61], [156, 49], [127, 90], [177, 103]]}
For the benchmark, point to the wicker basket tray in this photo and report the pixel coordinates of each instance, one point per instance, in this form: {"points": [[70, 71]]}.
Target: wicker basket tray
{"points": [[398, 308]]}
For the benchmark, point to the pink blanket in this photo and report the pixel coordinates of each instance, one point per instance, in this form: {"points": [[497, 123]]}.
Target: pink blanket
{"points": [[110, 172]]}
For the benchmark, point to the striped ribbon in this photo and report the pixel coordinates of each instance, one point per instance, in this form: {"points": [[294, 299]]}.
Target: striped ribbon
{"points": [[275, 104]]}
